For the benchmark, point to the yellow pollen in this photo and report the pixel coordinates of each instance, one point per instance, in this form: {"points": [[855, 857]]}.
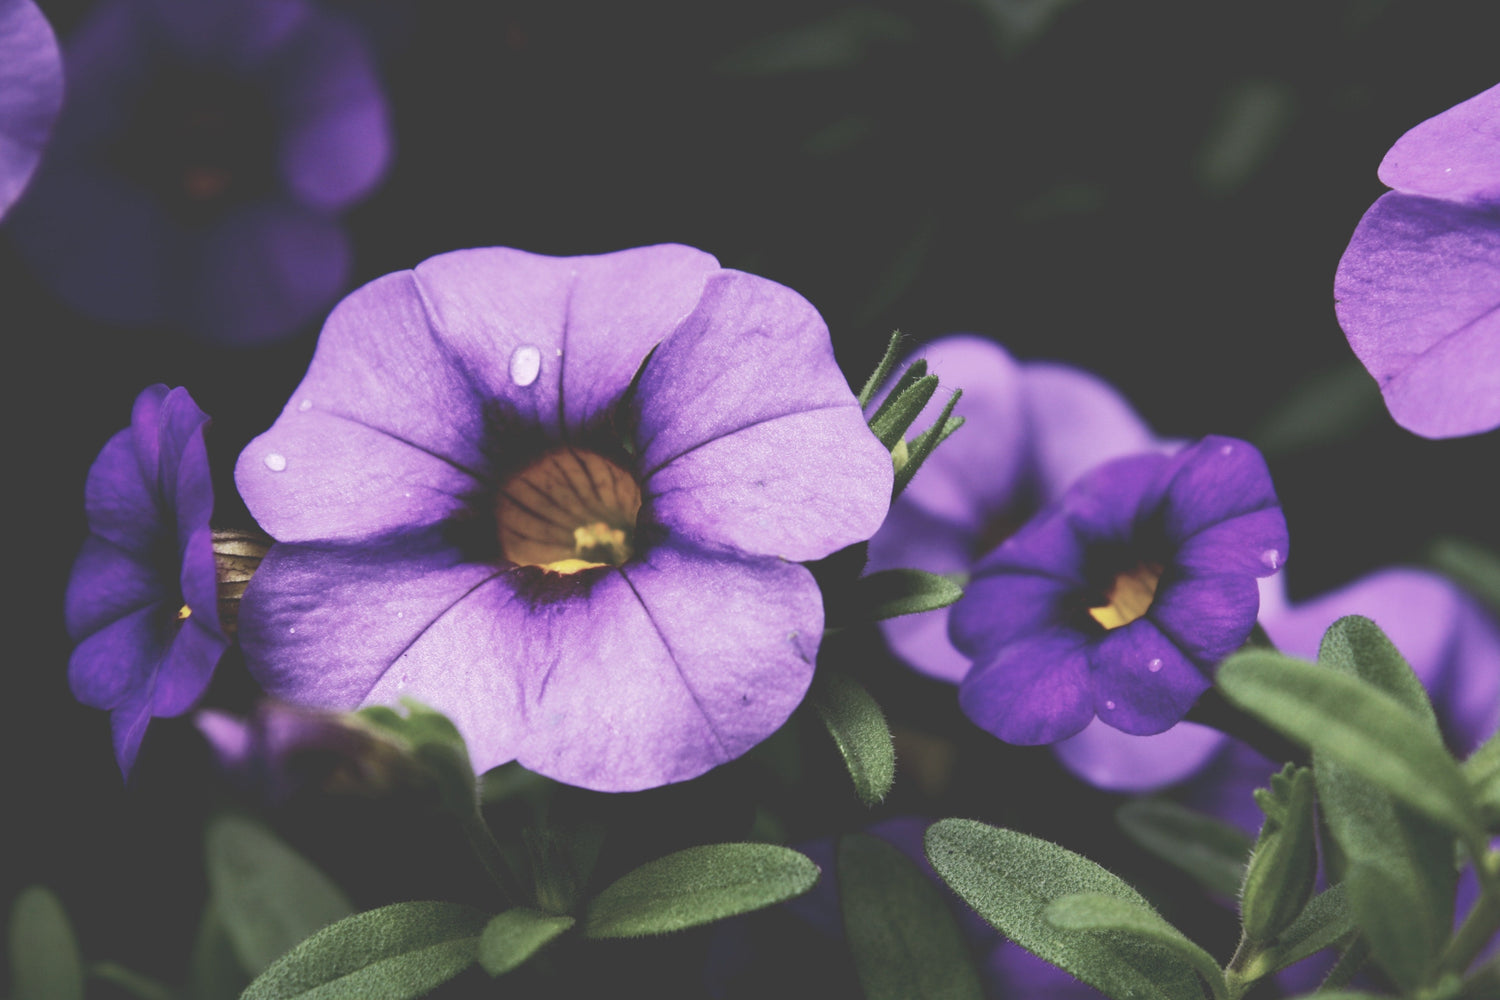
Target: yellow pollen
{"points": [[569, 511], [183, 613], [1130, 597]]}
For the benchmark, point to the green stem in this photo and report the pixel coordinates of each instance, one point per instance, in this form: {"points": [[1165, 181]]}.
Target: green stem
{"points": [[491, 857], [130, 981], [1213, 709], [1482, 922]]}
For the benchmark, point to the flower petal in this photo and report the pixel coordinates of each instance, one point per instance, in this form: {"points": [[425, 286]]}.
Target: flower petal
{"points": [[1208, 617], [1076, 421], [31, 90], [1116, 761], [912, 538], [1004, 607], [1454, 155], [1108, 501], [118, 499], [1143, 684], [108, 583], [1254, 543], [128, 724], [1033, 691], [115, 663], [184, 673], [1416, 294], [1214, 480]]}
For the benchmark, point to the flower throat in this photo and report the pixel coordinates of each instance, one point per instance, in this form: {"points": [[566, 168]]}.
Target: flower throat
{"points": [[568, 511]]}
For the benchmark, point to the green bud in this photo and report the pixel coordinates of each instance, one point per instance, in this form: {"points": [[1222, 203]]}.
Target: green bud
{"points": [[1284, 862]]}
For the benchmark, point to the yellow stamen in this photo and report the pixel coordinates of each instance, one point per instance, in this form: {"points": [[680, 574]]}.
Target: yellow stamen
{"points": [[183, 613], [1130, 597]]}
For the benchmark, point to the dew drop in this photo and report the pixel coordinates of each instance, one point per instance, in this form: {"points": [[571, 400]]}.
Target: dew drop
{"points": [[1109, 705], [304, 406], [1271, 558], [525, 365], [1154, 666], [276, 461], [1228, 449], [292, 630]]}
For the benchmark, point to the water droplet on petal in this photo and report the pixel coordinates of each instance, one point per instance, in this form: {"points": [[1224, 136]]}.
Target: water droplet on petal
{"points": [[525, 365], [1271, 558], [1155, 665], [304, 406], [276, 461], [1109, 705], [1228, 449], [292, 630]]}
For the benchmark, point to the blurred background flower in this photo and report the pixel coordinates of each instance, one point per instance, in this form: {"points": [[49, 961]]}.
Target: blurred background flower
{"points": [[31, 89]]}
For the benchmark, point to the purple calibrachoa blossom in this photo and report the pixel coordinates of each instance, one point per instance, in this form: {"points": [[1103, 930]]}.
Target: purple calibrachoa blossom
{"points": [[1120, 598], [1418, 289], [200, 162], [31, 91], [1030, 430], [142, 601], [563, 501]]}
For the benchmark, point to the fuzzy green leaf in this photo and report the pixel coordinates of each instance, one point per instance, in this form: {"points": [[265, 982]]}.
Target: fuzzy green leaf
{"points": [[45, 963], [1324, 922], [882, 370], [1483, 771], [268, 896], [1284, 865], [397, 952], [858, 728], [1395, 915], [434, 741], [1210, 850], [1092, 911], [512, 937], [926, 443], [698, 886], [1009, 878], [889, 593], [895, 415], [905, 942]]}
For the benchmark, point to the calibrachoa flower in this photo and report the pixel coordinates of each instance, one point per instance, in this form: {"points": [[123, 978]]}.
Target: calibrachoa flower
{"points": [[31, 90], [563, 501], [1030, 429], [142, 600], [200, 162], [1418, 289], [1120, 598]]}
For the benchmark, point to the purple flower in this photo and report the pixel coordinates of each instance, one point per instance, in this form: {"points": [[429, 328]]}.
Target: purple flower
{"points": [[142, 600], [1418, 289], [1121, 597], [198, 167], [1030, 430], [563, 501], [31, 90]]}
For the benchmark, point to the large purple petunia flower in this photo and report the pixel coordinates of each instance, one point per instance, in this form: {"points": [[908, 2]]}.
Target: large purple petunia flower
{"points": [[199, 165], [562, 500], [1418, 289], [1451, 642], [1030, 429], [31, 90], [142, 601], [1120, 598]]}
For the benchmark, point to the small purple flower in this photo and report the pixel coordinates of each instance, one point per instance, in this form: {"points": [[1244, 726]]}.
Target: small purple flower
{"points": [[1418, 289], [563, 501], [31, 90], [142, 600], [1120, 598], [1030, 429], [199, 165]]}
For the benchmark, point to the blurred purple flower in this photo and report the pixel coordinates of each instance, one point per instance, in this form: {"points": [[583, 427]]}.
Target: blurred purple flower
{"points": [[562, 500], [1030, 430], [31, 91], [200, 162], [142, 601], [1418, 289], [1120, 598]]}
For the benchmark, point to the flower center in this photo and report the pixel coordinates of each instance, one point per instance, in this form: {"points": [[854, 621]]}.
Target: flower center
{"points": [[1129, 597], [184, 613], [568, 511]]}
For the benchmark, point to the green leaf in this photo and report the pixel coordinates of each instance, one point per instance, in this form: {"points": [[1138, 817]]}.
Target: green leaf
{"points": [[268, 895], [214, 973], [1395, 914], [44, 960], [1472, 565], [515, 935], [1325, 921], [1210, 850], [892, 592], [882, 370], [397, 952], [1483, 771], [1355, 724], [925, 443], [905, 942], [129, 981], [1356, 647], [895, 415], [434, 741], [858, 728], [1009, 878], [698, 886], [1092, 911]]}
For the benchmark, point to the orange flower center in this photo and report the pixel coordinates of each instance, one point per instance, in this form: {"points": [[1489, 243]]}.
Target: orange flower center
{"points": [[568, 511]]}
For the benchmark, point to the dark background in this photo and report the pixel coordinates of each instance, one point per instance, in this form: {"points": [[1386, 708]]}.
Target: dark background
{"points": [[1157, 190]]}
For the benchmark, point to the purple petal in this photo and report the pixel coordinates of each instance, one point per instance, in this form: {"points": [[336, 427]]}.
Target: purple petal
{"points": [[31, 90], [1143, 684], [1033, 691], [229, 736], [1254, 543], [1047, 545], [1418, 297], [1215, 480], [1077, 421], [128, 725], [238, 35], [107, 584], [1116, 761], [116, 663], [336, 130], [582, 323], [669, 667], [1454, 155], [1208, 617], [1005, 607], [980, 470], [118, 498], [1106, 504], [750, 436], [912, 538], [184, 673]]}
